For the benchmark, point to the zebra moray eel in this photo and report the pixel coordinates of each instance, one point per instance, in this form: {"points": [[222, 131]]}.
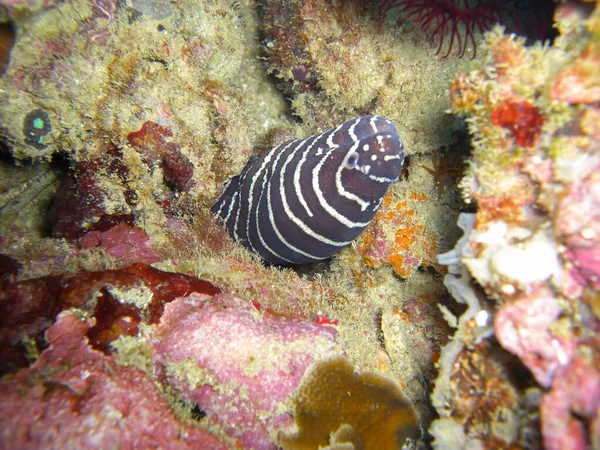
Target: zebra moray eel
{"points": [[306, 199]]}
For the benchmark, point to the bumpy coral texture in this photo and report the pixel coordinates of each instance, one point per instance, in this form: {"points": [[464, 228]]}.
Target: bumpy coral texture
{"points": [[335, 56], [120, 301], [139, 124], [236, 363], [230, 364], [399, 237], [75, 396], [145, 109], [333, 405]]}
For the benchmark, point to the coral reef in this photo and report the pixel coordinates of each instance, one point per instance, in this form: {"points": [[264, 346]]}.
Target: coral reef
{"points": [[335, 406], [131, 316], [336, 63], [77, 396], [31, 305], [172, 323], [236, 363], [411, 245], [532, 246], [78, 56]]}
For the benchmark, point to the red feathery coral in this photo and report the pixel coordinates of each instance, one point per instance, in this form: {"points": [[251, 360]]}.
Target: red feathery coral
{"points": [[457, 19]]}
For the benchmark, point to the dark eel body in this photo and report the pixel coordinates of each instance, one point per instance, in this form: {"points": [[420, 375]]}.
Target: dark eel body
{"points": [[306, 199]]}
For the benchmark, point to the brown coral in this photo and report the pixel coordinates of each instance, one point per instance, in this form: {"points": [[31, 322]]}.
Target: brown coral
{"points": [[367, 410]]}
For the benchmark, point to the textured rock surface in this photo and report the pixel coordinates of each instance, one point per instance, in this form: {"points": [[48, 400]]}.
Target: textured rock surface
{"points": [[236, 363], [532, 245], [75, 396]]}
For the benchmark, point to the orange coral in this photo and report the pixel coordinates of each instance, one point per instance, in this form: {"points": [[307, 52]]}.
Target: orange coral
{"points": [[463, 97], [411, 245], [507, 54], [580, 81]]}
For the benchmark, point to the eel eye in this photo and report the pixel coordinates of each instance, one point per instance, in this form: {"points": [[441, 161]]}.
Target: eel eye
{"points": [[351, 161]]}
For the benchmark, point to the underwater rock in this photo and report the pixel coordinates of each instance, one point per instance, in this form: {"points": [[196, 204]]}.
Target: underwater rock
{"points": [[118, 299], [30, 307], [523, 327], [577, 218], [570, 412], [238, 364], [334, 405], [85, 196], [336, 59], [158, 9], [75, 85], [150, 141], [75, 396], [533, 244], [126, 244]]}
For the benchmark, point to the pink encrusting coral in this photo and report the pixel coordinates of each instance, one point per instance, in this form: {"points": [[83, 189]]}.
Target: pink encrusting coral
{"points": [[236, 363], [77, 397], [125, 243], [577, 218], [229, 362], [523, 327], [570, 412], [119, 300]]}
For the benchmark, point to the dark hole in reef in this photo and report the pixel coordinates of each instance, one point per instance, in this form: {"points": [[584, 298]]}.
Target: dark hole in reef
{"points": [[7, 40], [379, 328], [405, 168], [311, 271], [533, 19], [197, 413], [6, 156], [457, 309], [59, 165]]}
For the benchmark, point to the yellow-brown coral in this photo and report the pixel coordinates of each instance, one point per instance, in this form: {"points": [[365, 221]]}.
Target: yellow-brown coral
{"points": [[365, 411]]}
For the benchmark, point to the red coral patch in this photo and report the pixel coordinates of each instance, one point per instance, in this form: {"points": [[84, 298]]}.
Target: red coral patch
{"points": [[30, 307], [522, 119], [150, 142]]}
